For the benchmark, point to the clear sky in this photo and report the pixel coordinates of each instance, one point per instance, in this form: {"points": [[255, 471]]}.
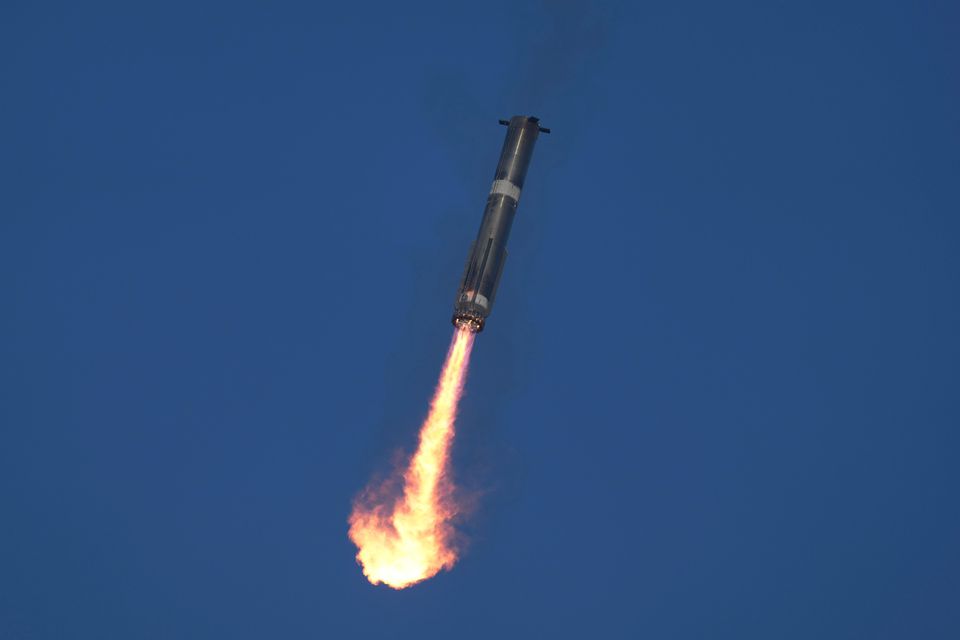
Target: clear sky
{"points": [[718, 397]]}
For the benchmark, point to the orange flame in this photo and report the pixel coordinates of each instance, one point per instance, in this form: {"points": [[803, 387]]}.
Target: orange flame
{"points": [[409, 538]]}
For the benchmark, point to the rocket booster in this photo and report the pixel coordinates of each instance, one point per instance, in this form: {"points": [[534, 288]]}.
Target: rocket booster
{"points": [[489, 251]]}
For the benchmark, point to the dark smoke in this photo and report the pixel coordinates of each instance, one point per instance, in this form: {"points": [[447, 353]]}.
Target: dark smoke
{"points": [[559, 47], [565, 38]]}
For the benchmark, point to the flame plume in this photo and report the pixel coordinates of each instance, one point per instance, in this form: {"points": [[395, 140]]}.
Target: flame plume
{"points": [[409, 538]]}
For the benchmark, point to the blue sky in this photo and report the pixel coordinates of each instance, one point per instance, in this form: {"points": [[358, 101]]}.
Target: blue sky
{"points": [[718, 396]]}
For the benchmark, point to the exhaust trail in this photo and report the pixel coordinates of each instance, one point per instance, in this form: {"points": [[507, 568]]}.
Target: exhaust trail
{"points": [[407, 538]]}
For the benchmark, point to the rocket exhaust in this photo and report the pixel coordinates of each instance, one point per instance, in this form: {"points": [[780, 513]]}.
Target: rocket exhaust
{"points": [[409, 537]]}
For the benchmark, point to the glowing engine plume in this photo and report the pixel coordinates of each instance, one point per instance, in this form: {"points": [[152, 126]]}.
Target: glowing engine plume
{"points": [[409, 537]]}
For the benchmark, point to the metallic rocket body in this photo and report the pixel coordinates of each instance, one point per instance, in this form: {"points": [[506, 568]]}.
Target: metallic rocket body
{"points": [[489, 251]]}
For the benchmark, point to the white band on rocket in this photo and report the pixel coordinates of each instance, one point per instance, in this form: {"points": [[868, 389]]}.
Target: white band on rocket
{"points": [[506, 188]]}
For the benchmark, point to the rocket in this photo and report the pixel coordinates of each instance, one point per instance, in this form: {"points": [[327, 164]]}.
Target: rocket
{"points": [[481, 276]]}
